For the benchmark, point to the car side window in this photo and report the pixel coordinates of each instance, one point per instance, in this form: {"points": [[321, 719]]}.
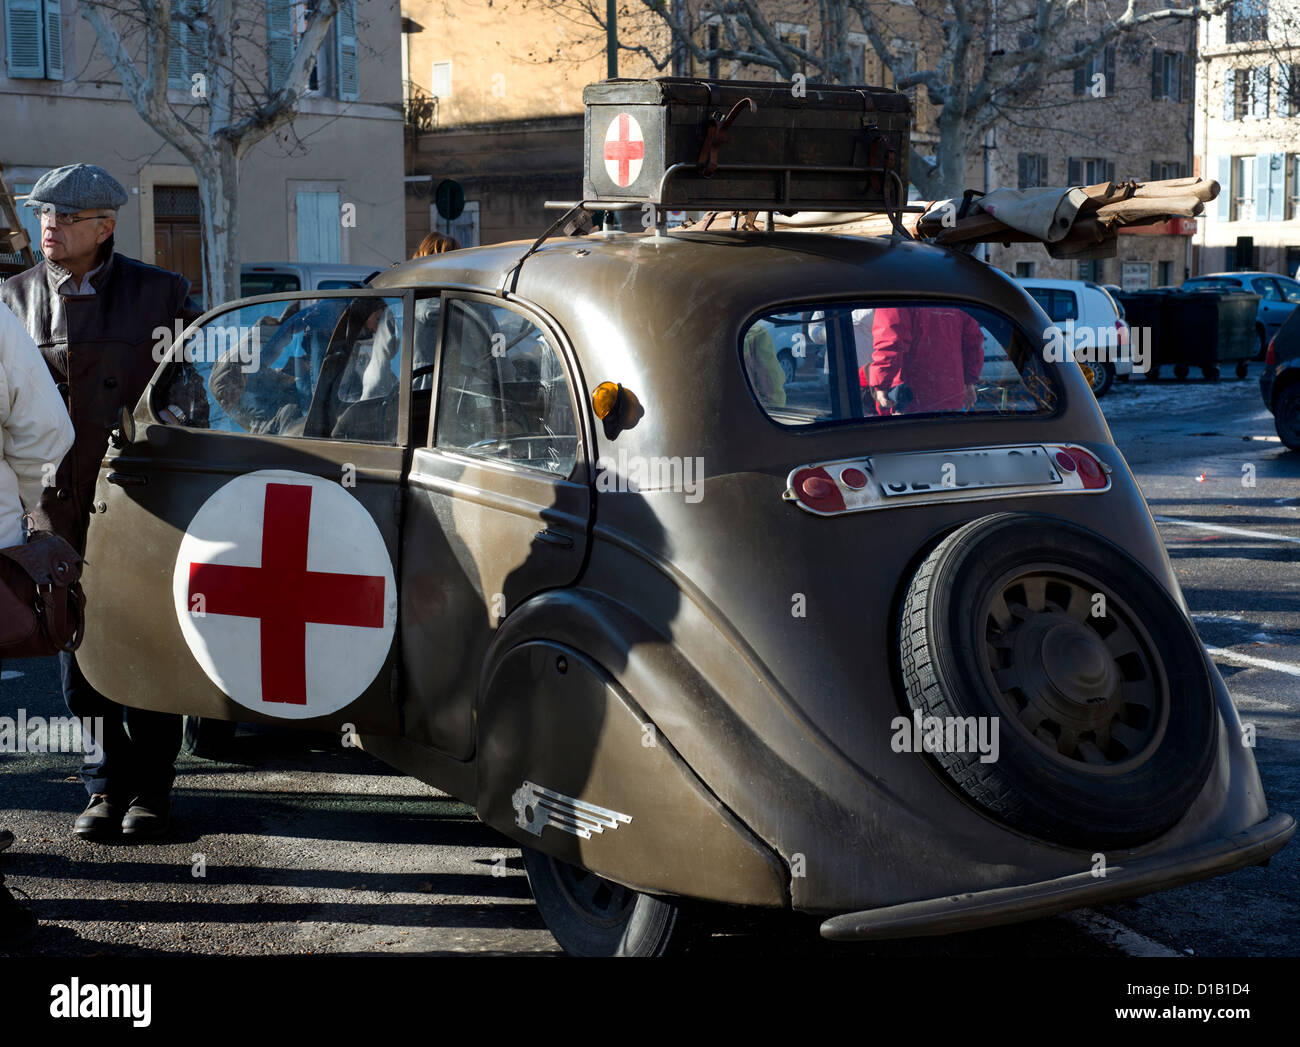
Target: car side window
{"points": [[326, 369], [1290, 290], [1266, 289], [503, 392]]}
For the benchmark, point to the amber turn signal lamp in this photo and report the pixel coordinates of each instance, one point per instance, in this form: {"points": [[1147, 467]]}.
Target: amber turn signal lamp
{"points": [[604, 398]]}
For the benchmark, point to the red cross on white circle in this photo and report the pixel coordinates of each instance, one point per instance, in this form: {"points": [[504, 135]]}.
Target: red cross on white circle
{"points": [[624, 149], [285, 593]]}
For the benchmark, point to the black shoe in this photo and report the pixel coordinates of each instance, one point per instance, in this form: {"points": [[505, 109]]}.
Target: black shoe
{"points": [[148, 816], [16, 920], [101, 819]]}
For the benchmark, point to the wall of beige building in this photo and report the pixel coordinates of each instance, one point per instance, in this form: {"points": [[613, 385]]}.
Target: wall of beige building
{"points": [[354, 147], [1125, 127], [1265, 126]]}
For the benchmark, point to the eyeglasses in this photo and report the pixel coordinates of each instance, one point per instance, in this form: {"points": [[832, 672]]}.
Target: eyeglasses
{"points": [[43, 210]]}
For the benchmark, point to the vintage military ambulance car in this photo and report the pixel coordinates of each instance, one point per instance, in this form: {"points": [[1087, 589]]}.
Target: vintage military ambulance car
{"points": [[892, 640]]}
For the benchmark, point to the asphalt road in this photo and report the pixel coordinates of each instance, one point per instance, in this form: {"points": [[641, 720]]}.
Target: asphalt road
{"points": [[307, 847]]}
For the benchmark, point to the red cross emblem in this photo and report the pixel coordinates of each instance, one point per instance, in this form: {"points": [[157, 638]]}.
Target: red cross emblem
{"points": [[299, 599], [624, 149], [284, 596]]}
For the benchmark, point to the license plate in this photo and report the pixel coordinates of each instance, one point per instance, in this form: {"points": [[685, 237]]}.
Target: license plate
{"points": [[903, 474]]}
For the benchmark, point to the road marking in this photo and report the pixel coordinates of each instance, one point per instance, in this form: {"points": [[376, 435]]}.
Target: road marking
{"points": [[1113, 933], [1267, 535], [1257, 663]]}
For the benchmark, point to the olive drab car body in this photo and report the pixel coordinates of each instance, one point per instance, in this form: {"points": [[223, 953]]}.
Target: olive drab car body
{"points": [[691, 646]]}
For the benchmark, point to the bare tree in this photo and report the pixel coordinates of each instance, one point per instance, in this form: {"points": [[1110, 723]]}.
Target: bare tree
{"points": [[973, 59], [239, 90]]}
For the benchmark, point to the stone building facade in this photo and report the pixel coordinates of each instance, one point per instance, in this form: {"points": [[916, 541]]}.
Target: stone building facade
{"points": [[61, 102], [1248, 137]]}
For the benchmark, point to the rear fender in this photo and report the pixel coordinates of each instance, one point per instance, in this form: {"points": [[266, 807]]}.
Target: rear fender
{"points": [[570, 766]]}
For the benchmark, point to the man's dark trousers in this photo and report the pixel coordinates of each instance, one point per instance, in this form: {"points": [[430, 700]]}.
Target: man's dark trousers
{"points": [[139, 745]]}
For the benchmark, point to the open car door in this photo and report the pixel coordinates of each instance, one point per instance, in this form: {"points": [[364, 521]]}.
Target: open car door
{"points": [[242, 557]]}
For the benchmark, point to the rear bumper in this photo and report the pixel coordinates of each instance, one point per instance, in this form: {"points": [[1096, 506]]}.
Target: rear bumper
{"points": [[965, 912]]}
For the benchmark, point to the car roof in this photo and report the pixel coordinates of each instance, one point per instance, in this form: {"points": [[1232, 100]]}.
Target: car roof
{"points": [[1244, 275], [712, 269], [322, 268]]}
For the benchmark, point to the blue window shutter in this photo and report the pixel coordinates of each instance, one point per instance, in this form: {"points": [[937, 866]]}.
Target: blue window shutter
{"points": [[24, 39], [1284, 73], [176, 43], [1259, 92], [1225, 189], [1261, 187], [1276, 186], [53, 40], [1081, 72], [1230, 94], [279, 41], [345, 37], [318, 227]]}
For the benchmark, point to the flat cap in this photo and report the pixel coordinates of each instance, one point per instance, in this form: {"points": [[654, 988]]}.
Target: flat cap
{"points": [[78, 187]]}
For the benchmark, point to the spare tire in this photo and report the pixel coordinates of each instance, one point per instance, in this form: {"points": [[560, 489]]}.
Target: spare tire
{"points": [[1106, 719]]}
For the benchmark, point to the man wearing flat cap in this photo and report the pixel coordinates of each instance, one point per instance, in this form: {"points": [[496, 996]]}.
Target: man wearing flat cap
{"points": [[93, 313]]}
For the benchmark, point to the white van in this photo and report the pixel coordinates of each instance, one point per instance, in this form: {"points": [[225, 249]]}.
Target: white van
{"points": [[1077, 306]]}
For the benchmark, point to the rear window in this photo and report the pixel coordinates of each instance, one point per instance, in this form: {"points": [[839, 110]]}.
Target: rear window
{"points": [[858, 361], [1211, 285], [267, 283], [337, 285]]}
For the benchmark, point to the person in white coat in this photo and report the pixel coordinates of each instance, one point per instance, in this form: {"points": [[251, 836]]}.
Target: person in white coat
{"points": [[35, 430], [35, 434]]}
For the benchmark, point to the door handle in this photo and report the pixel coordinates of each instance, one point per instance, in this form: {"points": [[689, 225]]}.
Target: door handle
{"points": [[556, 538], [127, 479]]}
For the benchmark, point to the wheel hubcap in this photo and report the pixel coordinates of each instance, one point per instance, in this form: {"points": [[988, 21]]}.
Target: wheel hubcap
{"points": [[1082, 685], [600, 902]]}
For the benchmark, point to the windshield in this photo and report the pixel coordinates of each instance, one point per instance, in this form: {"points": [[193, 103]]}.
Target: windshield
{"points": [[860, 361]]}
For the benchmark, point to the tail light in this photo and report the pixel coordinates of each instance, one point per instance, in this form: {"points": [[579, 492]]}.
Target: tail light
{"points": [[1270, 355], [1122, 332]]}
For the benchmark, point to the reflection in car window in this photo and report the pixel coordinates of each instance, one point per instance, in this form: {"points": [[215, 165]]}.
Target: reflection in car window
{"points": [[503, 390], [894, 358], [314, 368], [1290, 290], [267, 283], [1266, 289]]}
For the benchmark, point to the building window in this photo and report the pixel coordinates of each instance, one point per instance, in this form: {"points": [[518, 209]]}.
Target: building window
{"points": [[1293, 182], [1026, 269], [34, 39], [1086, 76], [441, 80], [1031, 170], [1167, 169], [1165, 274], [335, 70], [1247, 20], [1243, 188], [1288, 89], [464, 230], [1089, 170], [794, 36], [1092, 270], [1259, 92], [713, 41], [319, 226], [1270, 187], [857, 54], [1168, 75]]}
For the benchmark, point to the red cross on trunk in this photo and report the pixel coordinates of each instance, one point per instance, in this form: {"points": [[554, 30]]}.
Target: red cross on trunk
{"points": [[285, 596], [624, 150]]}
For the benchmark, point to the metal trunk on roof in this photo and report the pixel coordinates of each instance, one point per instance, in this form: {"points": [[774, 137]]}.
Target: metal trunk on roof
{"points": [[746, 144]]}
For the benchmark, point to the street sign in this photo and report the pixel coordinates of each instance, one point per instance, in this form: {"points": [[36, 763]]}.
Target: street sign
{"points": [[449, 198]]}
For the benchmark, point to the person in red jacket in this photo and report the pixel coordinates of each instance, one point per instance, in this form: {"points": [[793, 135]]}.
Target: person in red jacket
{"points": [[935, 352]]}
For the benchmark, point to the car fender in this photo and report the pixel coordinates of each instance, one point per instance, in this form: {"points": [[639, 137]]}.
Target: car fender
{"points": [[570, 765], [1285, 374]]}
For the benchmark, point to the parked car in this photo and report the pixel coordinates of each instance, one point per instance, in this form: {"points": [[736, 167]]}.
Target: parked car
{"points": [[1082, 306], [1280, 382], [677, 642], [275, 277], [1278, 297]]}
